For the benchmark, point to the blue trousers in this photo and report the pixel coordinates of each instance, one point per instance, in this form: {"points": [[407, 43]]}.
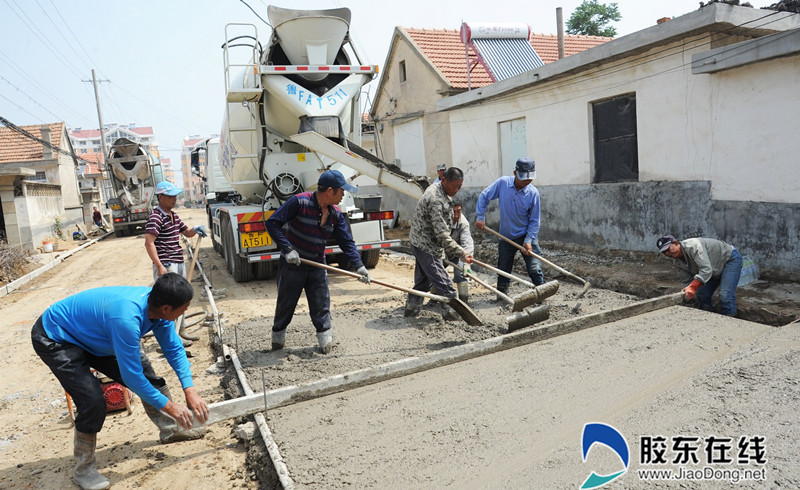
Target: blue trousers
{"points": [[292, 280], [71, 364], [726, 282], [505, 262]]}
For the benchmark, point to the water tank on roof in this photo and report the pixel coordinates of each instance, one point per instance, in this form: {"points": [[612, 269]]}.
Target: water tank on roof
{"points": [[485, 30]]}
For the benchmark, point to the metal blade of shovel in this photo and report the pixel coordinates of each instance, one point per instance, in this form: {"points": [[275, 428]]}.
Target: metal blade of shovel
{"points": [[464, 311]]}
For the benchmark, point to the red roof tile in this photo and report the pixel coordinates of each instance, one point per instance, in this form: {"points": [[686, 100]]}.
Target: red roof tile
{"points": [[444, 49], [15, 147]]}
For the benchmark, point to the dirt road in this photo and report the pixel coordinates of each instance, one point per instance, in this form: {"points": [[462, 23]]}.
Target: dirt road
{"points": [[35, 429]]}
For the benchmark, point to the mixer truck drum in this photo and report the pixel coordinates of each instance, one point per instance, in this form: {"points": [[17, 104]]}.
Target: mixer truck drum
{"points": [[285, 185]]}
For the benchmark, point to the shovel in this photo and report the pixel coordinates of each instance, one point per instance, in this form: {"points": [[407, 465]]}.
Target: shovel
{"points": [[586, 284], [459, 306]]}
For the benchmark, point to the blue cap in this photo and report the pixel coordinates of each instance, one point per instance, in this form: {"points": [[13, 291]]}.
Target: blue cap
{"points": [[526, 169], [335, 179], [167, 188]]}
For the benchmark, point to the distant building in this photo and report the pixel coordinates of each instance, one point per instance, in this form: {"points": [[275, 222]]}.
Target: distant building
{"points": [[39, 193], [192, 188]]}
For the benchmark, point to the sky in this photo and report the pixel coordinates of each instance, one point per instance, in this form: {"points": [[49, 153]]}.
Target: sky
{"points": [[159, 62]]}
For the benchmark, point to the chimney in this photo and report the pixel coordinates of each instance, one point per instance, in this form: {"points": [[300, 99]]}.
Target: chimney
{"points": [[47, 151], [560, 27]]}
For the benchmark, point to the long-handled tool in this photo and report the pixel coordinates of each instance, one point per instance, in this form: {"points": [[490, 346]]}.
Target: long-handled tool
{"points": [[182, 329], [503, 273], [519, 301], [586, 284], [477, 279], [459, 306]]}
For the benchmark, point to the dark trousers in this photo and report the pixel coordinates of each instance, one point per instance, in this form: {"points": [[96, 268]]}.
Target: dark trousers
{"points": [[292, 280], [429, 271], [505, 262], [71, 365]]}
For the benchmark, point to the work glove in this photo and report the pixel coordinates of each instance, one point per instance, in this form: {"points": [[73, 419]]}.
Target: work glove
{"points": [[364, 275], [293, 257], [466, 267], [201, 230], [690, 290]]}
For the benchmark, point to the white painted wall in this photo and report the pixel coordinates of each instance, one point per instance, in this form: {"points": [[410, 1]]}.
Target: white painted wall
{"points": [[756, 152], [733, 128], [409, 146]]}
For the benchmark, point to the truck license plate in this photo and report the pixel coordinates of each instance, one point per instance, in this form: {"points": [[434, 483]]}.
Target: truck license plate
{"points": [[258, 239]]}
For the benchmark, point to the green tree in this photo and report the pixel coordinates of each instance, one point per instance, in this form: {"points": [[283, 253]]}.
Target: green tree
{"points": [[591, 17]]}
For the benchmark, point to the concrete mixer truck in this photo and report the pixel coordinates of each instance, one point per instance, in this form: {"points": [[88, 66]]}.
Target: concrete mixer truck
{"points": [[292, 112], [133, 173]]}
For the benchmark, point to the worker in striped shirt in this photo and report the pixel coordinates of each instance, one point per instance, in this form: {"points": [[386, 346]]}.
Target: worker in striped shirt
{"points": [[162, 237]]}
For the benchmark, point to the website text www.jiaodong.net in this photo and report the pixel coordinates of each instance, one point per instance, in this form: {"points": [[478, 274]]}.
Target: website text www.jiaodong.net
{"points": [[707, 473]]}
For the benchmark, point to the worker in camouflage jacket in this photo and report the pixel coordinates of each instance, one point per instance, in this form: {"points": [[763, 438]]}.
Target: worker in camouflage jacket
{"points": [[431, 241]]}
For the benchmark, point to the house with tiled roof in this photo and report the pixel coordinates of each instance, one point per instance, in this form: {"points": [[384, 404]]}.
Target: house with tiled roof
{"points": [[38, 184], [424, 66], [683, 128]]}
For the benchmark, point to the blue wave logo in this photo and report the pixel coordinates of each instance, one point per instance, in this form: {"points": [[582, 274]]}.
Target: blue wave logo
{"points": [[611, 438]]}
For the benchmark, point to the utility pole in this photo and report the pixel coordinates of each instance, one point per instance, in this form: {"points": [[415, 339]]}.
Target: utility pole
{"points": [[99, 115], [104, 193]]}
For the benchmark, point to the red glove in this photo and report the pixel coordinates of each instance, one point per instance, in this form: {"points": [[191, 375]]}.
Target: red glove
{"points": [[690, 290]]}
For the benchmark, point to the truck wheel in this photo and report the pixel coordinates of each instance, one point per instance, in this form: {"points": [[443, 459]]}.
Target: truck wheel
{"points": [[370, 258], [265, 270], [118, 233], [238, 267]]}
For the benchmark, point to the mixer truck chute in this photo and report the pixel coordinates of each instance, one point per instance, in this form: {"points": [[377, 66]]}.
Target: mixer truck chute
{"points": [[293, 111], [132, 178]]}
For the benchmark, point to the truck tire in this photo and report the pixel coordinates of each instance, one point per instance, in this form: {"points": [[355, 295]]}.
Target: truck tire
{"points": [[265, 270], [370, 257], [238, 267]]}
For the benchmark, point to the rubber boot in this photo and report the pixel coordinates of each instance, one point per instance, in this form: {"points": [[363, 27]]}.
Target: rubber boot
{"points": [[169, 430], [278, 339], [325, 340], [413, 305], [86, 475], [463, 291]]}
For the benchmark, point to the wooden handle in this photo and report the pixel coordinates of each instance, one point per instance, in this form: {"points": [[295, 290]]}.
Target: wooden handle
{"points": [[503, 273], [483, 283], [424, 294], [194, 259], [532, 254]]}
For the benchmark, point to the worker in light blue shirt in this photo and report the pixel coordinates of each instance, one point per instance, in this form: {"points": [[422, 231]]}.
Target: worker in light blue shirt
{"points": [[101, 329], [520, 210]]}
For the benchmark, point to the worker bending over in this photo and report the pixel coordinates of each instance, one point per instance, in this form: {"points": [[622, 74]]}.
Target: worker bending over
{"points": [[705, 265], [101, 329]]}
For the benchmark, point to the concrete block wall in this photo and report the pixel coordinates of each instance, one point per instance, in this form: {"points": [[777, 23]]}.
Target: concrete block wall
{"points": [[631, 216]]}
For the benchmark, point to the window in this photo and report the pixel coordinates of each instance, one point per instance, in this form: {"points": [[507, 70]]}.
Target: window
{"points": [[402, 71], [616, 151], [39, 177]]}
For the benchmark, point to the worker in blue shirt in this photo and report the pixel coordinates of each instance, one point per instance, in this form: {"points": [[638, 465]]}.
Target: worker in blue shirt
{"points": [[520, 211], [101, 329], [310, 219]]}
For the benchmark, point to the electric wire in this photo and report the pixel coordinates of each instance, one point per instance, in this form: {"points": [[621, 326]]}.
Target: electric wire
{"points": [[5, 122]]}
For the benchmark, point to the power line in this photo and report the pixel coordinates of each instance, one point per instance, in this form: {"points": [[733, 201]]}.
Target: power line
{"points": [[31, 98], [40, 35], [48, 144]]}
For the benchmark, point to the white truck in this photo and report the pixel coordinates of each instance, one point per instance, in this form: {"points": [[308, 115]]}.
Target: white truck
{"points": [[292, 112], [133, 178]]}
